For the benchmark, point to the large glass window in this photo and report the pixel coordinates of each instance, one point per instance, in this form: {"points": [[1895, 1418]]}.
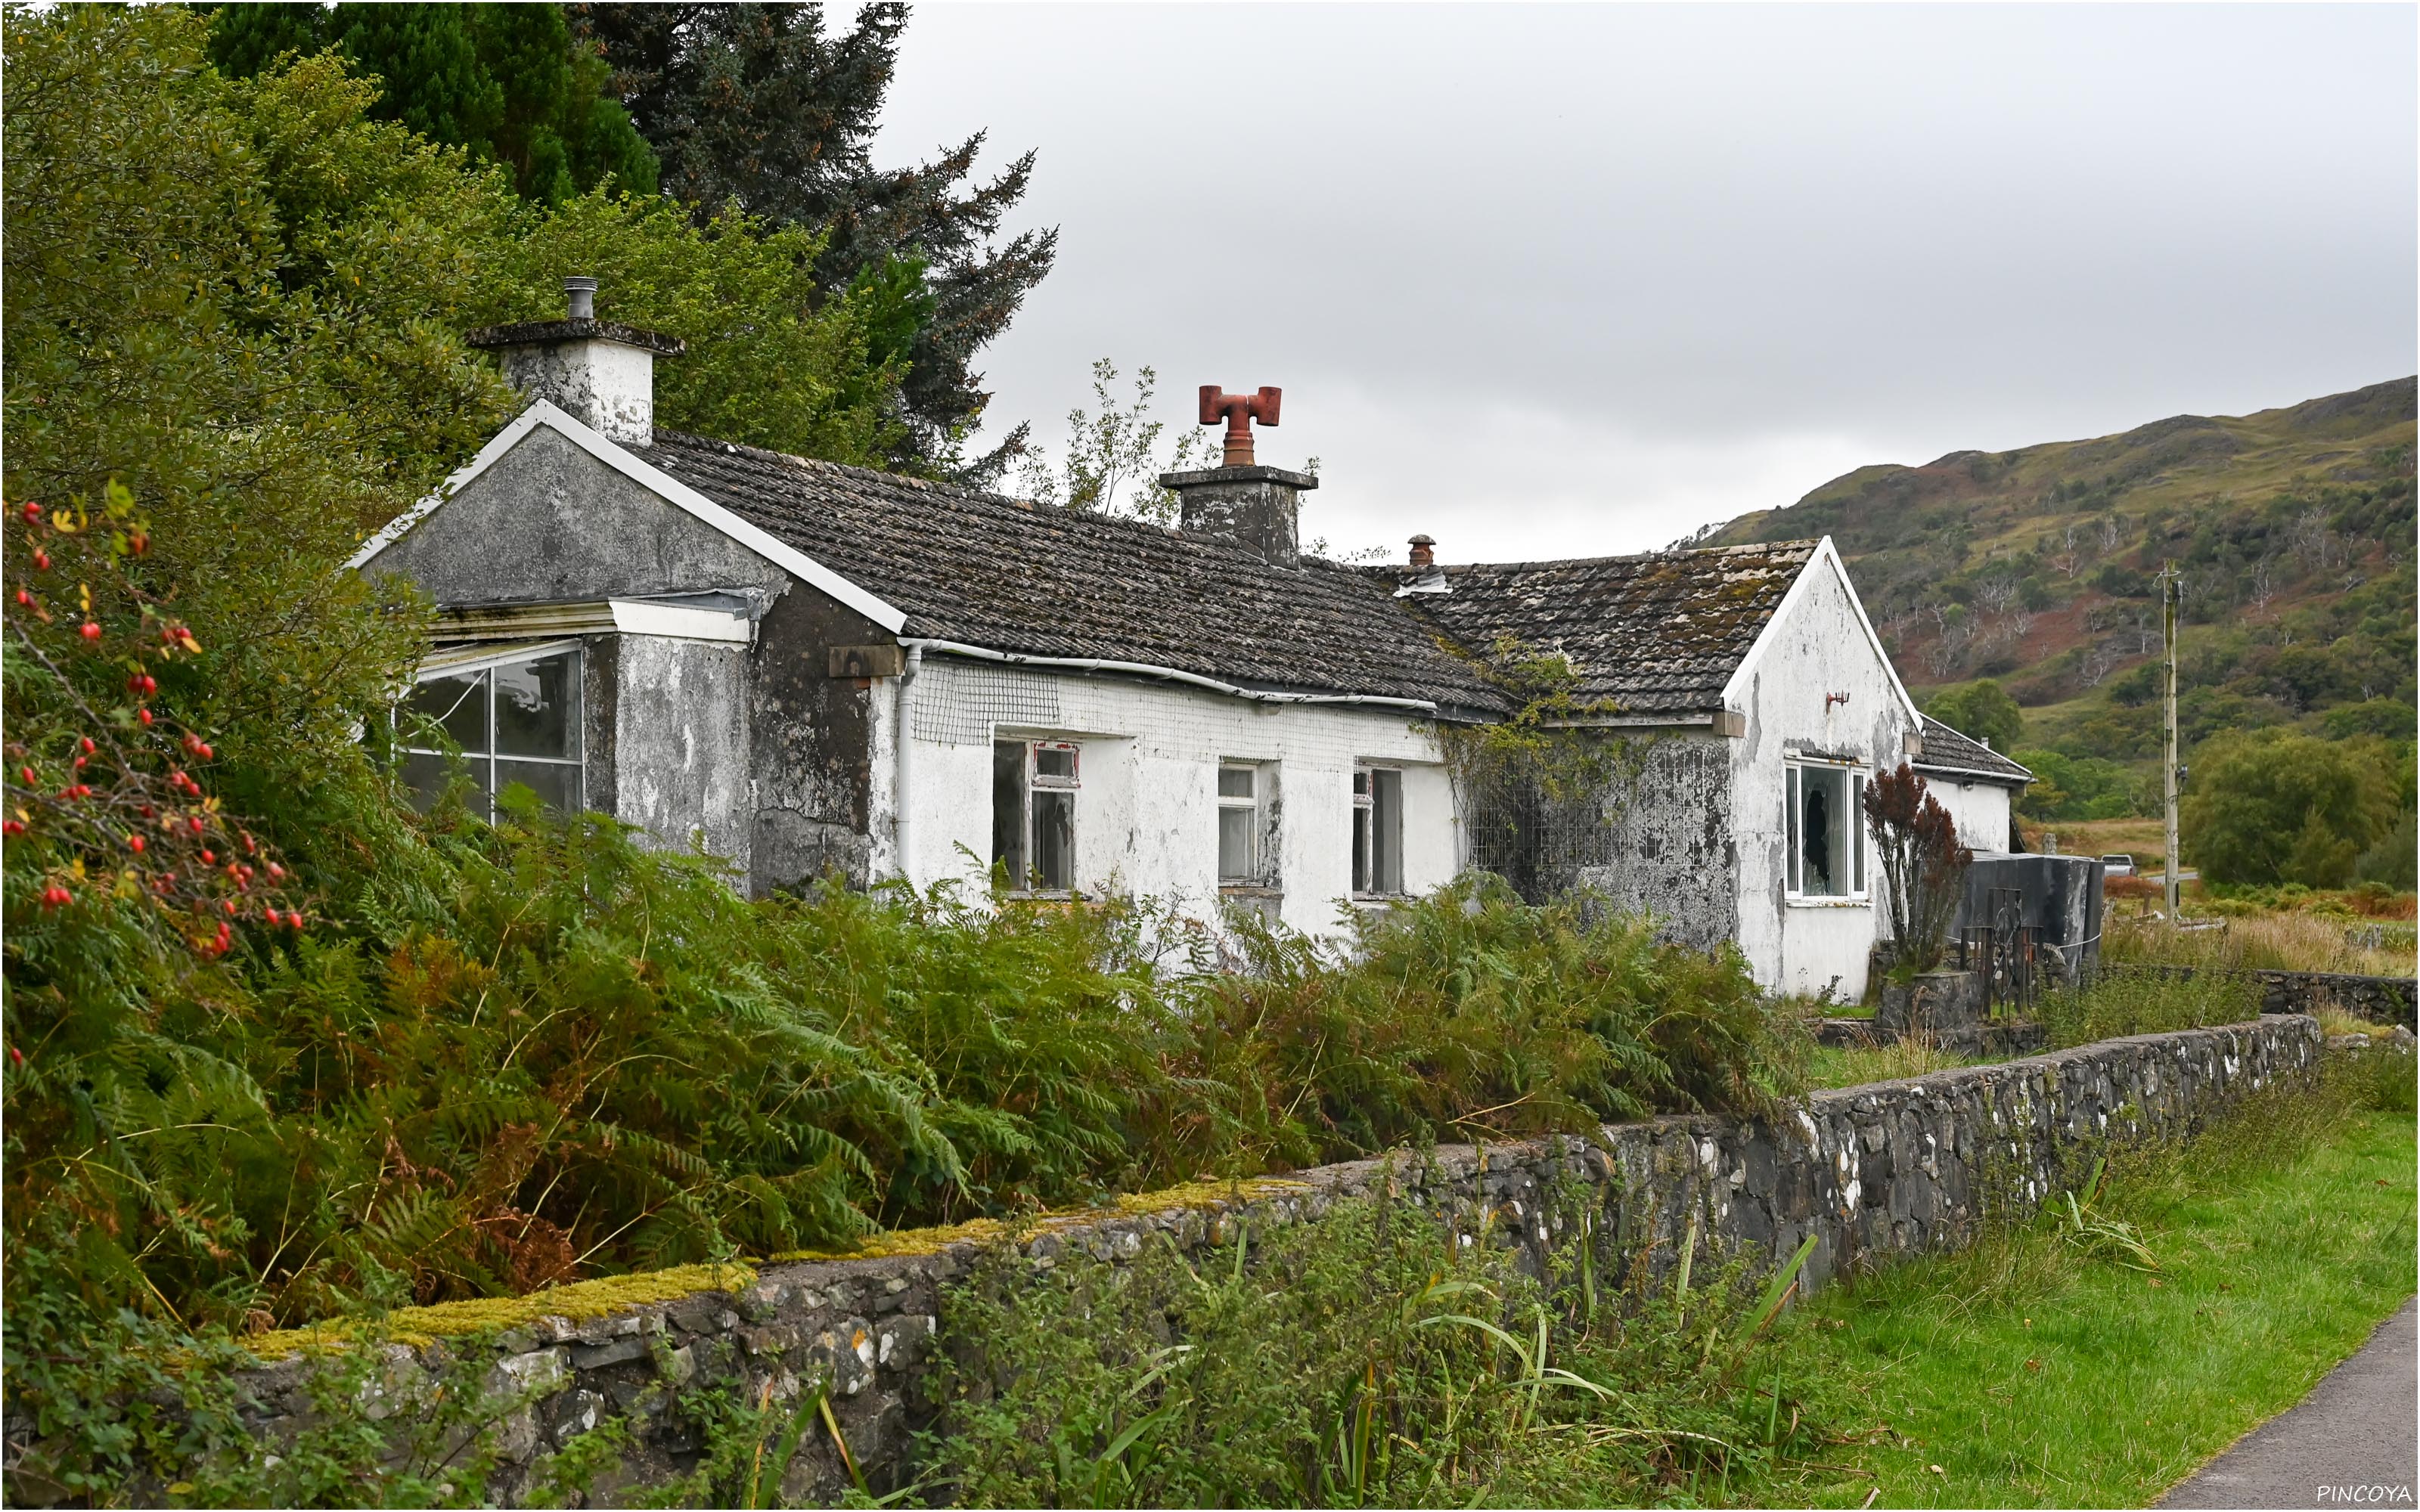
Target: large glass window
{"points": [[1034, 788], [1239, 827], [1377, 831], [513, 721], [1826, 831]]}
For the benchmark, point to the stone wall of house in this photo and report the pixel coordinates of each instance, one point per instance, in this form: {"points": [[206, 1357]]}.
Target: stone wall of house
{"points": [[1894, 1168]]}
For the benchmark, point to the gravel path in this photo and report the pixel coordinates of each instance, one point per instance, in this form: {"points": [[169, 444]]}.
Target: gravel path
{"points": [[2350, 1442]]}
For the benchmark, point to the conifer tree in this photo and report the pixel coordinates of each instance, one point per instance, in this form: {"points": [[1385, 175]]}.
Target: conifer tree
{"points": [[760, 103], [508, 81]]}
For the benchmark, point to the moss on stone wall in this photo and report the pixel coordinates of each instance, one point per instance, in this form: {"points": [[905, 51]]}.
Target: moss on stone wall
{"points": [[577, 1303]]}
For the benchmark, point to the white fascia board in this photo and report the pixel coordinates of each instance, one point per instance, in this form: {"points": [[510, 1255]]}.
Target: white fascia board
{"points": [[679, 622], [1827, 555], [1969, 774], [656, 481], [478, 655]]}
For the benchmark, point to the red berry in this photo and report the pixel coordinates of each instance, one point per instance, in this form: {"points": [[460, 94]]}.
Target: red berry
{"points": [[150, 685], [12, 826], [91, 631], [16, 1056], [27, 773], [79, 763], [88, 747], [144, 714], [209, 858], [229, 906], [33, 512], [83, 790], [196, 823], [295, 918], [203, 752], [248, 848], [134, 844], [41, 560], [25, 597], [277, 870], [140, 542]]}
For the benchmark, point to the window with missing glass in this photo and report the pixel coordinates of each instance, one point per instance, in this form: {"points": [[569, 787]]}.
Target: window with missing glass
{"points": [[1240, 843], [515, 720], [1034, 785], [1377, 831], [1826, 831]]}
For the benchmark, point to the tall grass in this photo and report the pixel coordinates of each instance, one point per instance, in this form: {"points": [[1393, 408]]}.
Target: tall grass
{"points": [[2267, 941], [2121, 1002], [1372, 1360]]}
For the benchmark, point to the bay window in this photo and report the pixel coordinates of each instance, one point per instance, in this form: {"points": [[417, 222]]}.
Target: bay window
{"points": [[514, 719]]}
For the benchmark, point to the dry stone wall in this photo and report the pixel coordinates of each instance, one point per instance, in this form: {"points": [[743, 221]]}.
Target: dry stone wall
{"points": [[1894, 1168]]}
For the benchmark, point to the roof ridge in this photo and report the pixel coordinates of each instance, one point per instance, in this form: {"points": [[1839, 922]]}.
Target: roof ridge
{"points": [[1809, 544], [1024, 508]]}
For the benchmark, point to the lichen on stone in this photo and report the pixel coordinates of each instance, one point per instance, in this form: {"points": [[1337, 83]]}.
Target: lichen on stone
{"points": [[578, 1303], [915, 1242]]}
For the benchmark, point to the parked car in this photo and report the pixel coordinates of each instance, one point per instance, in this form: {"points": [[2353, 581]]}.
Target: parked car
{"points": [[2117, 865]]}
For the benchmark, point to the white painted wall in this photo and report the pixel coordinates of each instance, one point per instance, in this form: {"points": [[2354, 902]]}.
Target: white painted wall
{"points": [[1980, 810], [680, 743], [1147, 811], [1817, 645]]}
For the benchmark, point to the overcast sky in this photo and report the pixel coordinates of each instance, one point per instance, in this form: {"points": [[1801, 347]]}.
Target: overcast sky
{"points": [[1565, 280]]}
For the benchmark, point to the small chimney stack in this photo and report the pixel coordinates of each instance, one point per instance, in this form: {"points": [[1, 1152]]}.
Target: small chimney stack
{"points": [[1241, 501], [1423, 552], [600, 372]]}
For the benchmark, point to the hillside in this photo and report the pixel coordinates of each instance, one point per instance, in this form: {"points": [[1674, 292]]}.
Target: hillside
{"points": [[2293, 529]]}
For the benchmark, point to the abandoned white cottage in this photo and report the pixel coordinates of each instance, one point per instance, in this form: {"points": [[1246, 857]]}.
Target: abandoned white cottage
{"points": [[811, 668]]}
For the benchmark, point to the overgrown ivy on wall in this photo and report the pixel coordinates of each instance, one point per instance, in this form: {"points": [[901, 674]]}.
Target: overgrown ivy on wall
{"points": [[1540, 792]]}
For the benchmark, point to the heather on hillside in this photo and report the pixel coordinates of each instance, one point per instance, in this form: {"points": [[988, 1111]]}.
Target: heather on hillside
{"points": [[2035, 572]]}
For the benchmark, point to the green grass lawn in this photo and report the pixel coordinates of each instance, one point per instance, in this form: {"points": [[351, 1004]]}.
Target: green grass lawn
{"points": [[2025, 1373]]}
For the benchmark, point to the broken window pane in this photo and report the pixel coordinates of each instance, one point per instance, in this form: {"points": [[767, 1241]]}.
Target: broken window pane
{"points": [[534, 704], [1825, 833], [1054, 840], [1387, 831], [1008, 808], [456, 704]]}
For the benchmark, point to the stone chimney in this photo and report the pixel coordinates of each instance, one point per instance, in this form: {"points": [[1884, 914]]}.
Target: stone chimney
{"points": [[600, 372], [1243, 502]]}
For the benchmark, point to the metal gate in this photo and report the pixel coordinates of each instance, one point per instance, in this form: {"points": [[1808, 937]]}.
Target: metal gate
{"points": [[2006, 950]]}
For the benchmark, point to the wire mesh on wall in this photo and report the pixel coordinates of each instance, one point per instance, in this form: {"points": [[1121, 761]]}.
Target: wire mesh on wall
{"points": [[1538, 839]]}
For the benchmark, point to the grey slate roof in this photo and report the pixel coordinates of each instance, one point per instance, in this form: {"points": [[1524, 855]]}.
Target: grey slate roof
{"points": [[1947, 751], [1657, 634], [1008, 575]]}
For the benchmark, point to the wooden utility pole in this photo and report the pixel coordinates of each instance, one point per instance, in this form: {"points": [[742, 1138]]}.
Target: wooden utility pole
{"points": [[2171, 590]]}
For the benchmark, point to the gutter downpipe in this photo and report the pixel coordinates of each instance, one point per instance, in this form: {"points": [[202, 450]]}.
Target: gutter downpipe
{"points": [[917, 647], [902, 814]]}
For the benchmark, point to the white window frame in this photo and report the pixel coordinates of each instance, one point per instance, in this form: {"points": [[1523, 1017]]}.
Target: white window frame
{"points": [[1366, 861], [1257, 869], [1850, 828], [485, 664], [1033, 779]]}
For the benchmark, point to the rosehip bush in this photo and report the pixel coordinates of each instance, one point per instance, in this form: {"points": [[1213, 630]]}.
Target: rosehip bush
{"points": [[105, 809]]}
